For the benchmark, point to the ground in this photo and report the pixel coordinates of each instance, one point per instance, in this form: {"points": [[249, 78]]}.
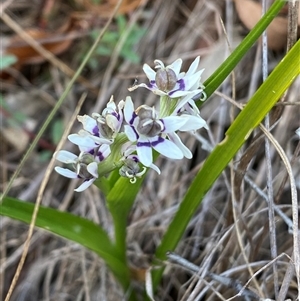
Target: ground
{"points": [[229, 235]]}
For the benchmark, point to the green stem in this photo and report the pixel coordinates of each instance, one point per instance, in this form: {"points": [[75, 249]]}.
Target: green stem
{"points": [[119, 202], [120, 227], [167, 106]]}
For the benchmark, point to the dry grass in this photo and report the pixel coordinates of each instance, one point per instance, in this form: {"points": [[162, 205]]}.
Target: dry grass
{"points": [[230, 233]]}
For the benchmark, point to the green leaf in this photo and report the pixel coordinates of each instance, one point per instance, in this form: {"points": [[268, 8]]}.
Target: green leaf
{"points": [[57, 131], [249, 118], [7, 60], [71, 227], [121, 22], [45, 155], [130, 55]]}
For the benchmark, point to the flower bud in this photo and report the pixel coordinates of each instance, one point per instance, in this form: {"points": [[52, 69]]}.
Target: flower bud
{"points": [[165, 79], [81, 165], [148, 125], [131, 170]]}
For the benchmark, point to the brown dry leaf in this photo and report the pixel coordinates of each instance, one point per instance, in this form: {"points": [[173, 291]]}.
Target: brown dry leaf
{"points": [[27, 55], [16, 137], [105, 8], [250, 13], [138, 274]]}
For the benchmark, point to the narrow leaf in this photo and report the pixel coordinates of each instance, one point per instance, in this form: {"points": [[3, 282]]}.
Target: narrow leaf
{"points": [[249, 118], [71, 227]]}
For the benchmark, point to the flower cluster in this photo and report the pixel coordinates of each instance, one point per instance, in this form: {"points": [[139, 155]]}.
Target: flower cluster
{"points": [[124, 137]]}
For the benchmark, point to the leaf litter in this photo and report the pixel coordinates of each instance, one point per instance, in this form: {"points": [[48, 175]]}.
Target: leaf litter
{"points": [[56, 269]]}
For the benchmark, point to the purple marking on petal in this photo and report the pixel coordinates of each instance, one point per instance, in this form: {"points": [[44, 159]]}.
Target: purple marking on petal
{"points": [[92, 151], [181, 87], [163, 124], [140, 144], [135, 159], [132, 118], [151, 84], [96, 131], [116, 115], [100, 156], [160, 140], [136, 133]]}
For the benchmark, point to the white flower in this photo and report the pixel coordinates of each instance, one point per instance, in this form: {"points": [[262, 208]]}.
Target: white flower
{"points": [[111, 119], [100, 128], [128, 149], [84, 168], [149, 132], [87, 142], [169, 81], [131, 170]]}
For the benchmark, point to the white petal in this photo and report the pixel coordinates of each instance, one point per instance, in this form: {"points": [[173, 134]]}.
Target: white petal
{"points": [[150, 73], [65, 156], [80, 140], [89, 123], [121, 105], [130, 133], [192, 81], [173, 123], [168, 149], [66, 172], [186, 99], [127, 149], [185, 151], [128, 109], [140, 85], [111, 106], [176, 66], [191, 108], [194, 66], [178, 93], [99, 140], [92, 168], [113, 122], [85, 185], [154, 167], [156, 91], [105, 150], [192, 123], [145, 155], [86, 149]]}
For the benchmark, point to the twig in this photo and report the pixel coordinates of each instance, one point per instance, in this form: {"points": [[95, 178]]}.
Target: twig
{"points": [[229, 282], [44, 52], [39, 200], [296, 242], [292, 23], [270, 191], [115, 54]]}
